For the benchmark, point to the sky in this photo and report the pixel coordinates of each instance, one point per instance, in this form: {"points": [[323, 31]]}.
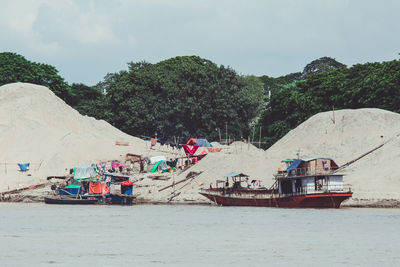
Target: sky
{"points": [[85, 39]]}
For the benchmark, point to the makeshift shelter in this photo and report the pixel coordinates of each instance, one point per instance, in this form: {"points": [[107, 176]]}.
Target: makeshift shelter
{"points": [[97, 188], [85, 171], [72, 189], [154, 160], [199, 142], [160, 166], [311, 166]]}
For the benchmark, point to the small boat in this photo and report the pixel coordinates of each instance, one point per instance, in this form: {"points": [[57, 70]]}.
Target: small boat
{"points": [[69, 200], [306, 183]]}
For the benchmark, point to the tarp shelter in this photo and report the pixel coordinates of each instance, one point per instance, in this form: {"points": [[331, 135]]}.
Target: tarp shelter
{"points": [[154, 160], [72, 189], [115, 177], [159, 166], [236, 174], [199, 142], [23, 166], [96, 188], [85, 171], [294, 165]]}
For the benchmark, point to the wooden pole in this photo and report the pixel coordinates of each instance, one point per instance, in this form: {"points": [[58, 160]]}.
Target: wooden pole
{"points": [[226, 131], [259, 139], [254, 129]]}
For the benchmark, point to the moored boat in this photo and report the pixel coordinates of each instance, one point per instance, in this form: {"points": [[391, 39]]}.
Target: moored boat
{"points": [[69, 200], [306, 183]]}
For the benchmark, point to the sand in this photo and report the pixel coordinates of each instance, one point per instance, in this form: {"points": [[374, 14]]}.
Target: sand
{"points": [[38, 127]]}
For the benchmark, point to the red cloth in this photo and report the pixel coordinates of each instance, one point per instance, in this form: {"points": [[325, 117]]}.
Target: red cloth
{"points": [[191, 141], [127, 183], [98, 188], [190, 150]]}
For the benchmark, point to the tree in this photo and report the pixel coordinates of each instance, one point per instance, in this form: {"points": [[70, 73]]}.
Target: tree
{"points": [[15, 68], [182, 96]]}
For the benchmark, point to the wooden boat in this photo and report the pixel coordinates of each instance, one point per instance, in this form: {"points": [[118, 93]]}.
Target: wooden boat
{"points": [[69, 200], [307, 183]]}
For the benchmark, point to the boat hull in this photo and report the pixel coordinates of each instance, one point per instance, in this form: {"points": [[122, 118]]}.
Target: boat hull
{"points": [[324, 200], [69, 201]]}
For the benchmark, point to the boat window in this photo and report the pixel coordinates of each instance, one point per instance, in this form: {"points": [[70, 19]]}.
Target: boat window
{"points": [[286, 186], [319, 182]]}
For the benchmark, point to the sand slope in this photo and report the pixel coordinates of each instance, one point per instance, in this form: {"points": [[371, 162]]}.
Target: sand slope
{"points": [[351, 134], [38, 127]]}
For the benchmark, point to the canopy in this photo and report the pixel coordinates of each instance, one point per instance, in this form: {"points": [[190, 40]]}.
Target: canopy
{"points": [[85, 171], [159, 166], [235, 174], [154, 160], [199, 142], [294, 165], [73, 186]]}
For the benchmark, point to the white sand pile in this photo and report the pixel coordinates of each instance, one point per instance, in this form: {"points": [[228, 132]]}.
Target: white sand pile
{"points": [[351, 134], [38, 127]]}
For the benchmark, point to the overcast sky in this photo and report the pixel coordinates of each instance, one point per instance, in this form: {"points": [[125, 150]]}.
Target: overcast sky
{"points": [[85, 40]]}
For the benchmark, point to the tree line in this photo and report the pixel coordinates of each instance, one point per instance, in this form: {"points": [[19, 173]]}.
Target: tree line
{"points": [[193, 97]]}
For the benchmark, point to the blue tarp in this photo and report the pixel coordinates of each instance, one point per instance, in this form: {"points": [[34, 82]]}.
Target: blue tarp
{"points": [[203, 143], [294, 165], [23, 166]]}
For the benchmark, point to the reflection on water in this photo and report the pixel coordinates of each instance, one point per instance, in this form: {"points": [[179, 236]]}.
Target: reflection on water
{"points": [[38, 234]]}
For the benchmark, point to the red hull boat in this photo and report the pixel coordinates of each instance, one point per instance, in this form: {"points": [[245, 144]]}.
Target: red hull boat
{"points": [[328, 200], [302, 185]]}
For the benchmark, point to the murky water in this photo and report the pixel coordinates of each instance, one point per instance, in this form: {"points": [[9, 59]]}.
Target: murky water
{"points": [[38, 234]]}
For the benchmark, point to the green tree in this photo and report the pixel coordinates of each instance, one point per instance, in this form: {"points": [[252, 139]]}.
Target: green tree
{"points": [[15, 68], [182, 96]]}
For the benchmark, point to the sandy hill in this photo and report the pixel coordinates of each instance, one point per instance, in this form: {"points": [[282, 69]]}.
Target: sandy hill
{"points": [[342, 135], [38, 127]]}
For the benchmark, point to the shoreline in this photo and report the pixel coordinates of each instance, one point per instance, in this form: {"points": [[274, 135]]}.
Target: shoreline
{"points": [[354, 203]]}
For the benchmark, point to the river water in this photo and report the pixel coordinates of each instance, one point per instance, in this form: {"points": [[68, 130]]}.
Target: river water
{"points": [[147, 235]]}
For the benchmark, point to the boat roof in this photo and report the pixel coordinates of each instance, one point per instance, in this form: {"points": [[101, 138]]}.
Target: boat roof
{"points": [[236, 174], [297, 162], [310, 159]]}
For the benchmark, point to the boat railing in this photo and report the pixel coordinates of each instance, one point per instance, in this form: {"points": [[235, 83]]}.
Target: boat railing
{"points": [[240, 192], [305, 172], [319, 190]]}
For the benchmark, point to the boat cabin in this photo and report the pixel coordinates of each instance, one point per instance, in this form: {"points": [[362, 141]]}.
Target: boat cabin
{"points": [[309, 176]]}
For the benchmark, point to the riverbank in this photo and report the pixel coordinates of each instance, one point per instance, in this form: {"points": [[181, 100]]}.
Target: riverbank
{"points": [[37, 196]]}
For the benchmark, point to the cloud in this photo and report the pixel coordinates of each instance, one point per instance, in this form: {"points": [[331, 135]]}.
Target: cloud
{"points": [[87, 39], [17, 25]]}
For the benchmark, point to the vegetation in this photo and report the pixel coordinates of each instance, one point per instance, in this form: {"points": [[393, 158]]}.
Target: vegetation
{"points": [[15, 68], [192, 96], [182, 96], [361, 86]]}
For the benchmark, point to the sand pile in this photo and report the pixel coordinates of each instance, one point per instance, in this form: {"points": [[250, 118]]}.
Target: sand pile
{"points": [[343, 135], [38, 127]]}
